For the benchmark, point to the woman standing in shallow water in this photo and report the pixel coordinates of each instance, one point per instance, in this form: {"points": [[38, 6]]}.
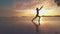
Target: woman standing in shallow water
{"points": [[37, 15]]}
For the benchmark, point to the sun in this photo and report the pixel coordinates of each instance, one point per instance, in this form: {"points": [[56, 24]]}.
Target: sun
{"points": [[43, 12]]}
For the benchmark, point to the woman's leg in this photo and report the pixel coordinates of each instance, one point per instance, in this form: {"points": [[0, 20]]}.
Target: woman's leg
{"points": [[34, 18]]}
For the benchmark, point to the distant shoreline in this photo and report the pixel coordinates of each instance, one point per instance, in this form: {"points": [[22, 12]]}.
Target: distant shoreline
{"points": [[33, 16]]}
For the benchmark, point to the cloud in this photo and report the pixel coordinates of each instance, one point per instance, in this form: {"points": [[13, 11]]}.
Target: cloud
{"points": [[29, 4], [57, 2], [25, 4]]}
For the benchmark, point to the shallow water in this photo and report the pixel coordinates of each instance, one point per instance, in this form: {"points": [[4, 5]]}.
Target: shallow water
{"points": [[23, 25]]}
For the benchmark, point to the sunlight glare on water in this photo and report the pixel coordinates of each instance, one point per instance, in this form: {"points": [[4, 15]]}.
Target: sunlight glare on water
{"points": [[41, 21]]}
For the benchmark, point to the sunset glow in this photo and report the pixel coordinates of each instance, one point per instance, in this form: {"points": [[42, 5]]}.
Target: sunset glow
{"points": [[41, 21], [43, 12]]}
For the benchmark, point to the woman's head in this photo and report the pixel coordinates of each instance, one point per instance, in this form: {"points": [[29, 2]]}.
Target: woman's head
{"points": [[36, 8]]}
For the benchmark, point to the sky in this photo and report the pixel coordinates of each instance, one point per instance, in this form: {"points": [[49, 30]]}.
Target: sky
{"points": [[10, 8]]}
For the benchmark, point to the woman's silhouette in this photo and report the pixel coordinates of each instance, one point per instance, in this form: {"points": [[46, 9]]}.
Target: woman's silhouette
{"points": [[37, 15]]}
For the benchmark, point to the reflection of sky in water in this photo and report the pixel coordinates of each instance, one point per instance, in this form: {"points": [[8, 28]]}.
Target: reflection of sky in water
{"points": [[24, 24], [50, 24]]}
